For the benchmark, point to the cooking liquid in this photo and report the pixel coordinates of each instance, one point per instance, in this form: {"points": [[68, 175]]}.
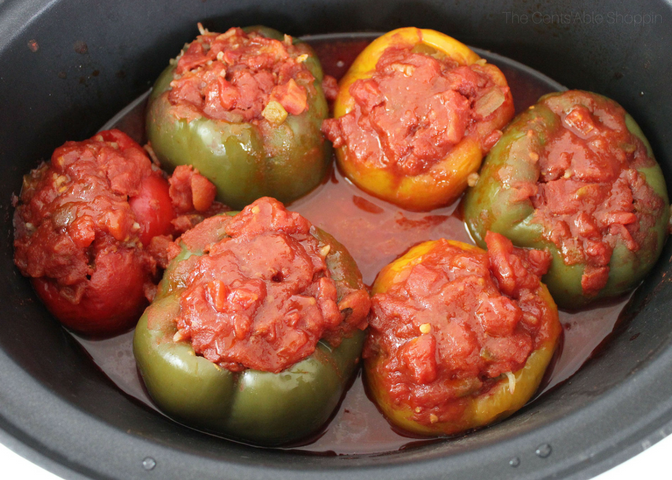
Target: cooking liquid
{"points": [[375, 233]]}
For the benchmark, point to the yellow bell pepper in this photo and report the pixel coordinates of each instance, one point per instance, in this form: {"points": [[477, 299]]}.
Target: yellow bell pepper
{"points": [[447, 178], [474, 406]]}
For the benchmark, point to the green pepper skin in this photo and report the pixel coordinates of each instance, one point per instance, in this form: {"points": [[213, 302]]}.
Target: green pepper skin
{"points": [[257, 407], [491, 205], [292, 160]]}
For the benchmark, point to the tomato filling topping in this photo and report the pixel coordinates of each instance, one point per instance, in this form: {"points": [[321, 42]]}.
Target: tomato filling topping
{"points": [[77, 207], [414, 109], [240, 77], [262, 297], [590, 195], [456, 320], [97, 197]]}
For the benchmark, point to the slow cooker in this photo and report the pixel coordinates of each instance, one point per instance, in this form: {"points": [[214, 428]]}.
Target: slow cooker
{"points": [[67, 66]]}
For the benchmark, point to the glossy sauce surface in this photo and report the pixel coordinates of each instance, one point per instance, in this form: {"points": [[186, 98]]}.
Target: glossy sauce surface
{"points": [[87, 207], [591, 195], [233, 76], [381, 132], [448, 321], [262, 297], [375, 233]]}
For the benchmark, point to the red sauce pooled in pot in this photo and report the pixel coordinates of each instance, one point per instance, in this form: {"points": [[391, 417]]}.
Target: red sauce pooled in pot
{"points": [[240, 77], [589, 194], [452, 323], [413, 110]]}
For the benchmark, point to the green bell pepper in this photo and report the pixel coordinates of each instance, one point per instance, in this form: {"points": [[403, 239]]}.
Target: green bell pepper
{"points": [[246, 161], [496, 204], [252, 406]]}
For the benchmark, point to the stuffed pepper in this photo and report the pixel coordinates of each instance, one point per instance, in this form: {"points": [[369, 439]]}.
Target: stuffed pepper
{"points": [[84, 224], [245, 108], [414, 115], [257, 327], [575, 176], [459, 337]]}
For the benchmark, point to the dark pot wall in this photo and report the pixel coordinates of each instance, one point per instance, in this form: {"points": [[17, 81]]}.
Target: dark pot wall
{"points": [[92, 58]]}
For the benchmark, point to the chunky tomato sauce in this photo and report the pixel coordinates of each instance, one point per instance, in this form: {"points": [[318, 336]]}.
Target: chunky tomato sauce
{"points": [[240, 77], [413, 110], [262, 297], [86, 224], [76, 207], [455, 320], [590, 195]]}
